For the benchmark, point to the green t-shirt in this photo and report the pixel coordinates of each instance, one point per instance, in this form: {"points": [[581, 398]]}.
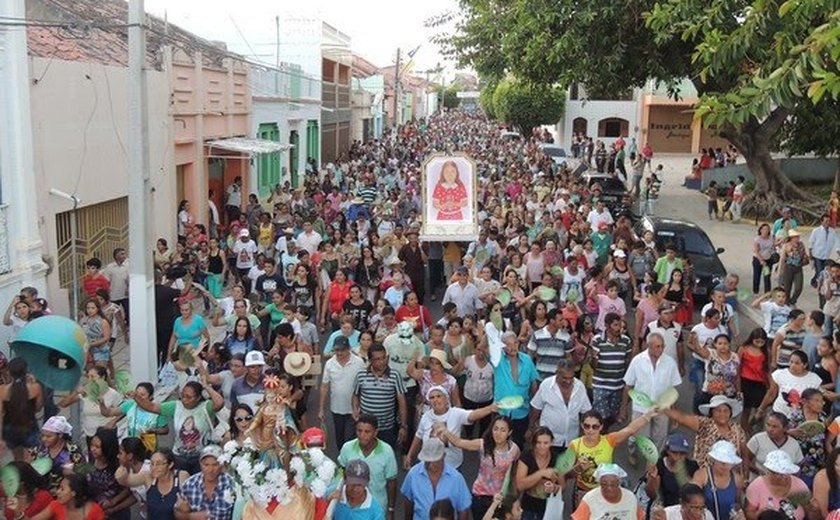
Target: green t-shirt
{"points": [[275, 314], [139, 421]]}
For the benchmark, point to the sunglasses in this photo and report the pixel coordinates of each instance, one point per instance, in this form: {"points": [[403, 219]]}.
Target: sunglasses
{"points": [[243, 418]]}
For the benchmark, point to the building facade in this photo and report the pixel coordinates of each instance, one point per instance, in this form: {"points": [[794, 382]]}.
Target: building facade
{"points": [[336, 98], [21, 247]]}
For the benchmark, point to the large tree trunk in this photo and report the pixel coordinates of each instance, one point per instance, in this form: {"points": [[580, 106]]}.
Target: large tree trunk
{"points": [[837, 177], [773, 189]]}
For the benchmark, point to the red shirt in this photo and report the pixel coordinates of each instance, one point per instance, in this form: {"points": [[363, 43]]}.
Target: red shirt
{"points": [[40, 501], [420, 315], [338, 295], [90, 284], [59, 511]]}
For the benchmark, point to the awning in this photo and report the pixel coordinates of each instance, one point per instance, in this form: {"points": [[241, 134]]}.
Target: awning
{"points": [[248, 145]]}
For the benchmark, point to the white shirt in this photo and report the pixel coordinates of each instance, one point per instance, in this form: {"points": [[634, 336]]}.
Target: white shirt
{"points": [[675, 513], [594, 218], [341, 379], [652, 380], [118, 275], [706, 336], [822, 243], [244, 252], [214, 212], [562, 418], [464, 297], [309, 241], [234, 194], [455, 419], [671, 335]]}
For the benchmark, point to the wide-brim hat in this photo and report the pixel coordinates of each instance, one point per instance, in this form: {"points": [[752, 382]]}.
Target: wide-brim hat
{"points": [[725, 452], [440, 356], [297, 363], [718, 400], [779, 461]]}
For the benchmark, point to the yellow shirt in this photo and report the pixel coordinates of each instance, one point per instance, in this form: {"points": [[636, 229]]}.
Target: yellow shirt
{"points": [[266, 235], [601, 453]]}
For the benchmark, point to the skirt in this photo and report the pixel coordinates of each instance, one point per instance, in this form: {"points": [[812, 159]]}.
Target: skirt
{"points": [[754, 393]]}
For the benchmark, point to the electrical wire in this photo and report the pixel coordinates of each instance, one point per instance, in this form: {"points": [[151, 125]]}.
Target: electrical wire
{"points": [[111, 110], [85, 133]]}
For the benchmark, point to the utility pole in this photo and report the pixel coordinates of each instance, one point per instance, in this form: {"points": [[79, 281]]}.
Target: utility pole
{"points": [[397, 90], [143, 351]]}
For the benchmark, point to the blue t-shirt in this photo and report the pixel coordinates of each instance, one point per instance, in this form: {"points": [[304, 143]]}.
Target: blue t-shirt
{"points": [[190, 334], [417, 487], [505, 386], [369, 510], [353, 340]]}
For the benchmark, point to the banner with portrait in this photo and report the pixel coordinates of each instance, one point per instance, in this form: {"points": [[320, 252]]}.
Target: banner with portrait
{"points": [[450, 200]]}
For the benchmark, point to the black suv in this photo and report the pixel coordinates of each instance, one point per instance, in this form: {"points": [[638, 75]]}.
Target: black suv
{"points": [[692, 241]]}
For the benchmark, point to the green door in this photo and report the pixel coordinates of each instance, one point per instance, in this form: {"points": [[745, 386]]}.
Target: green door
{"points": [[313, 139], [294, 140], [268, 164]]}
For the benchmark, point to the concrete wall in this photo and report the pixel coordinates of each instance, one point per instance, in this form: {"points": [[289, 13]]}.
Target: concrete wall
{"points": [[80, 124], [804, 170], [593, 112]]}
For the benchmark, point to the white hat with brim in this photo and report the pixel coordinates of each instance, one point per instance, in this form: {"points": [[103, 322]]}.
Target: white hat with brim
{"points": [[609, 469], [724, 451], [779, 461], [58, 424], [432, 451], [440, 356], [718, 400], [297, 363]]}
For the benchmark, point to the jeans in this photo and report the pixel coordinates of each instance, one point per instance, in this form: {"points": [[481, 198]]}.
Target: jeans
{"points": [[480, 505], [819, 266], [792, 280], [345, 429]]}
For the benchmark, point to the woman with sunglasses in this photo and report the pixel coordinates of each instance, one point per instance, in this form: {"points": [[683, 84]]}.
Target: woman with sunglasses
{"points": [[163, 485], [241, 418], [595, 448]]}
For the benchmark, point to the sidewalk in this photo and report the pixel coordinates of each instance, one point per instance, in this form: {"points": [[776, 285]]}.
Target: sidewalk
{"points": [[737, 239]]}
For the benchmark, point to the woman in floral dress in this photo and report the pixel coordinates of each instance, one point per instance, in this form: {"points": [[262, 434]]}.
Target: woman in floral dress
{"points": [[813, 446]]}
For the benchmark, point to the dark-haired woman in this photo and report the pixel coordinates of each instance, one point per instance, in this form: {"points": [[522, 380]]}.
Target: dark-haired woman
{"points": [[827, 484], [32, 494], [72, 501], [241, 418], [162, 483], [242, 339], [139, 423], [133, 462], [812, 445], [536, 477], [498, 455], [19, 401], [114, 499], [754, 372], [56, 435]]}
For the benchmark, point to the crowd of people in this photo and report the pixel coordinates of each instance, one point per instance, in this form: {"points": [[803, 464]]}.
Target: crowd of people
{"points": [[317, 322]]}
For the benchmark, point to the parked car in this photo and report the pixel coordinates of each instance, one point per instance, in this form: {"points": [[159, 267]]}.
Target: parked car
{"points": [[557, 154], [510, 136], [694, 243], [614, 194]]}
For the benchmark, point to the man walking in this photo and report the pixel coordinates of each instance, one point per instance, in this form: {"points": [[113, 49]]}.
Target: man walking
{"points": [[822, 244], [233, 200], [375, 392], [379, 457], [339, 378], [117, 273]]}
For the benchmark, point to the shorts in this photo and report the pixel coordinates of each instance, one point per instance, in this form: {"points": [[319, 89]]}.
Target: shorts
{"points": [[754, 393], [606, 402]]}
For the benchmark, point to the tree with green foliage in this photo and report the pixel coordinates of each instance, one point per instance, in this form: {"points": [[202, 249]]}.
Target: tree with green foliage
{"points": [[527, 105], [814, 128], [449, 96], [485, 98], [740, 55]]}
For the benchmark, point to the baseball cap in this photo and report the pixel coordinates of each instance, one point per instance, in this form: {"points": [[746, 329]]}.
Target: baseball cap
{"points": [[462, 270], [244, 232], [665, 307], [357, 473], [602, 225], [432, 450], [341, 342], [254, 358], [678, 443], [211, 450], [619, 253], [314, 437]]}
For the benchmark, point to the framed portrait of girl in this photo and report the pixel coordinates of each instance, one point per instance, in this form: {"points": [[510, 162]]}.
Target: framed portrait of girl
{"points": [[449, 198]]}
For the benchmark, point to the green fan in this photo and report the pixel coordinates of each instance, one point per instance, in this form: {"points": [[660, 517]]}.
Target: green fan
{"points": [[547, 294], [744, 294], [565, 462], [95, 389], [647, 448], [812, 428], [506, 482], [556, 270], [640, 398], [42, 465], [10, 478], [511, 402], [668, 398], [504, 297], [800, 498], [185, 355], [482, 256], [123, 382]]}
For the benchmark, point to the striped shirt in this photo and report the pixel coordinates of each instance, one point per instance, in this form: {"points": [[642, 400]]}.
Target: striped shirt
{"points": [[549, 349], [792, 340], [368, 194], [378, 395], [613, 359]]}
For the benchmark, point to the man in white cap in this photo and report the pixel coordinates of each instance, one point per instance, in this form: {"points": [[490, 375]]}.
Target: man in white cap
{"points": [[432, 479], [357, 502], [245, 251], [249, 389], [609, 499], [209, 493]]}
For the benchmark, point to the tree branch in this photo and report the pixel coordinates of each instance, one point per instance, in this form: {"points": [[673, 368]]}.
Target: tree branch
{"points": [[768, 128]]}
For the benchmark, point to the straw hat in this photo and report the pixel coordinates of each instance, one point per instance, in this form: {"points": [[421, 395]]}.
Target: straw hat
{"points": [[440, 356], [297, 363]]}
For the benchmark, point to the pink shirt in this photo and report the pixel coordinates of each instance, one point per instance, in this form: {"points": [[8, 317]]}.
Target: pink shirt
{"points": [[607, 305], [491, 473], [758, 495]]}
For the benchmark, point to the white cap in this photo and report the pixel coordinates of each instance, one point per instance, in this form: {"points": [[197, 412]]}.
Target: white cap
{"points": [[254, 358]]}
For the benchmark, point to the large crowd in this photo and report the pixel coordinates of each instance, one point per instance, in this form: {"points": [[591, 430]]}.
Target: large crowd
{"points": [[316, 322]]}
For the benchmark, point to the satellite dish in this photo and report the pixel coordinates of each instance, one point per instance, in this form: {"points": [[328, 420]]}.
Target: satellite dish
{"points": [[54, 347]]}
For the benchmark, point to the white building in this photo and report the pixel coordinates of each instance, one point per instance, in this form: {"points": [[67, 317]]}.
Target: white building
{"points": [[21, 248], [604, 120]]}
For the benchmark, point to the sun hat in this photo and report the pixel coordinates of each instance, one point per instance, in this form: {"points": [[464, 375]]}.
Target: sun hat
{"points": [[432, 451], [244, 232], [608, 469], [211, 450], [619, 253], [779, 461], [793, 233], [254, 359], [440, 356], [58, 424], [357, 473], [297, 363], [718, 400], [724, 451], [678, 443]]}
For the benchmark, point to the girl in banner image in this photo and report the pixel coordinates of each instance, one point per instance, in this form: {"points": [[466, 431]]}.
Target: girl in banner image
{"points": [[450, 194]]}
